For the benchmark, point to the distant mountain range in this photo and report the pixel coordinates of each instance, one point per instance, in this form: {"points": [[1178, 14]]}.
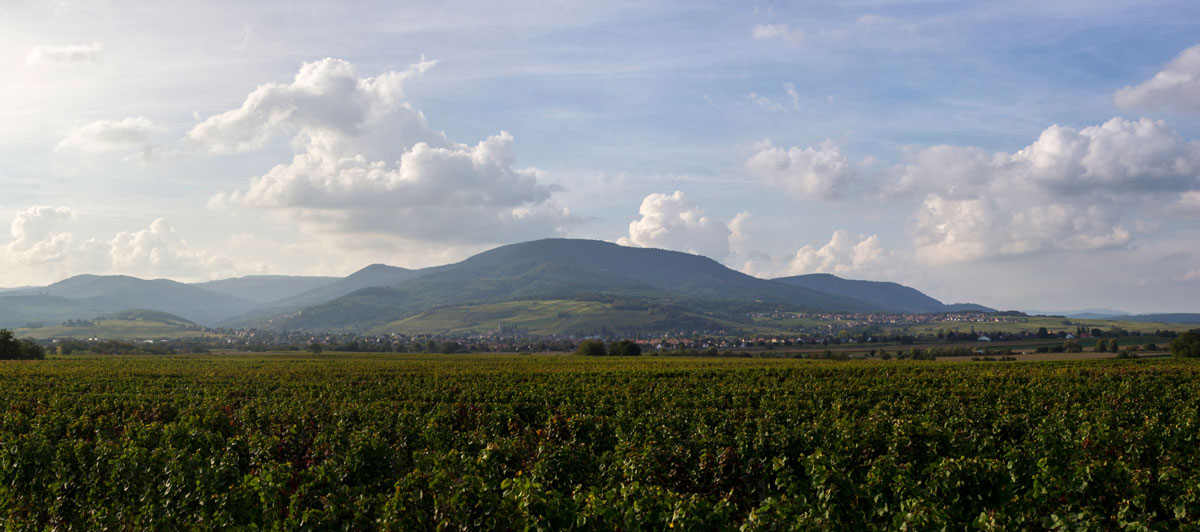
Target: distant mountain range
{"points": [[1089, 313], [632, 287], [1110, 314], [89, 296], [883, 294]]}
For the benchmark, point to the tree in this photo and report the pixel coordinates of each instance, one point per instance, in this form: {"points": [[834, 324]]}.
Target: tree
{"points": [[1101, 346], [625, 348], [592, 348], [1043, 333], [1186, 344], [13, 349], [315, 348], [1072, 346]]}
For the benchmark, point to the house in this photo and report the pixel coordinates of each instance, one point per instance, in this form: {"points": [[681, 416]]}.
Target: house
{"points": [[984, 338]]}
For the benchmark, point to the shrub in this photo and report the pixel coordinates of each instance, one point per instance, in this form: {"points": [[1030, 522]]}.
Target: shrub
{"points": [[1186, 344], [13, 349], [592, 348]]}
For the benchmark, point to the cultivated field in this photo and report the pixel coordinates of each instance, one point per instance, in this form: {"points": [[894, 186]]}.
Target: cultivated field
{"points": [[117, 330], [559, 442]]}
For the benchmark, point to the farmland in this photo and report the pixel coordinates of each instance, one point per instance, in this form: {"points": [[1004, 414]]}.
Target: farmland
{"points": [[555, 442]]}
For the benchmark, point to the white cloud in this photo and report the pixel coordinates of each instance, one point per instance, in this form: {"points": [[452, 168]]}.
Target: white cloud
{"points": [[346, 130], [156, 251], [674, 222], [778, 31], [790, 89], [326, 100], [843, 256], [76, 53], [869, 31], [35, 236], [764, 102], [769, 104], [1175, 87], [462, 193], [1193, 275], [1069, 190], [817, 172], [108, 135], [42, 251], [861, 257]]}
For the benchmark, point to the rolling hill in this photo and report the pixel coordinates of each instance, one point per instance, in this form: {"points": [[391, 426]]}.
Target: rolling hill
{"points": [[87, 296], [266, 288], [373, 276], [892, 296], [567, 269]]}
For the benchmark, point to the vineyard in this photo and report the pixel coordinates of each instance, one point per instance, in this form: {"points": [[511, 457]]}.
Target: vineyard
{"points": [[641, 443]]}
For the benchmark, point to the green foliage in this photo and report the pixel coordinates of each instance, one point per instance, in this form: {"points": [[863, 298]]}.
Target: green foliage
{"points": [[1186, 345], [591, 348], [346, 442], [625, 348], [13, 349]]}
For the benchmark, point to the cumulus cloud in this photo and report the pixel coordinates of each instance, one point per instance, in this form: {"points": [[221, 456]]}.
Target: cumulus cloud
{"points": [[817, 172], [1175, 87], [347, 131], [325, 100], [36, 239], [109, 135], [155, 251], [1068, 190], [778, 31], [845, 255], [674, 222], [42, 250], [76, 53], [460, 193]]}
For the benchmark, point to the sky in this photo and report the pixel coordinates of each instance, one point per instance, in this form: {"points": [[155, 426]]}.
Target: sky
{"points": [[1015, 154]]}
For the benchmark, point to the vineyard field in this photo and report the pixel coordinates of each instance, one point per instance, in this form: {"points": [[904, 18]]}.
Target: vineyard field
{"points": [[512, 442]]}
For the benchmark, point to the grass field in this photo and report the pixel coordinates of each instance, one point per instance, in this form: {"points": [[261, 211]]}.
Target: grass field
{"points": [[117, 330], [502, 442]]}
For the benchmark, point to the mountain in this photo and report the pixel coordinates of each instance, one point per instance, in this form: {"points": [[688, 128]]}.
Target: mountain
{"points": [[146, 315], [1176, 317], [23, 309], [134, 324], [567, 269], [86, 296], [375, 275], [889, 296], [967, 307], [266, 288], [1084, 314]]}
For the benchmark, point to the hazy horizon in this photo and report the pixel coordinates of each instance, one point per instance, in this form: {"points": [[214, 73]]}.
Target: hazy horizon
{"points": [[1024, 155]]}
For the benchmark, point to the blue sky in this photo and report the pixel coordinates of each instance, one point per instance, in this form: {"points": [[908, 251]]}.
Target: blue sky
{"points": [[1018, 154]]}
